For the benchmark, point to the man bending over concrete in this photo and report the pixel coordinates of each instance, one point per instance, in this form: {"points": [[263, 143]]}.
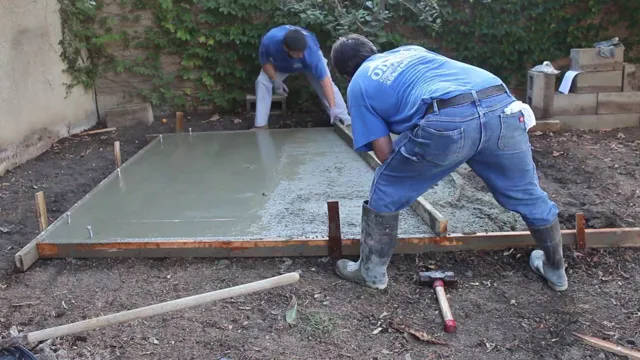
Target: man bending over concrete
{"points": [[447, 113], [290, 49]]}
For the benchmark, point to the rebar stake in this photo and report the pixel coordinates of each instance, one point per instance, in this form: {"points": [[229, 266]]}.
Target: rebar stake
{"points": [[90, 232]]}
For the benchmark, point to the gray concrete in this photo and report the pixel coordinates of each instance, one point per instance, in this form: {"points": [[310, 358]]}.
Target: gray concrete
{"points": [[36, 111], [228, 185]]}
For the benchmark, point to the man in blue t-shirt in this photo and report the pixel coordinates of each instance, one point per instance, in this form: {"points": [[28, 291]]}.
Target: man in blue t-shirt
{"points": [[446, 113], [290, 49]]}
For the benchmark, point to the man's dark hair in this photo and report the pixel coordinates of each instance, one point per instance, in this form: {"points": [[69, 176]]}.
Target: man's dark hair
{"points": [[294, 40], [349, 52]]}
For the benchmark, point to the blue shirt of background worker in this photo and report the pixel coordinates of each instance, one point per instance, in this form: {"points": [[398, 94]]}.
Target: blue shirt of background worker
{"points": [[271, 51], [286, 50], [391, 90]]}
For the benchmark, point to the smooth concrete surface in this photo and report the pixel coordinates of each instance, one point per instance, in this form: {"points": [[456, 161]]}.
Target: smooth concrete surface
{"points": [[228, 185], [35, 109]]}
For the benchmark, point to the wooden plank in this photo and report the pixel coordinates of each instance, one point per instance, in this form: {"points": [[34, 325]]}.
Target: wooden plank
{"points": [[609, 346], [545, 126], [598, 122], [595, 82], [41, 211], [179, 122], [630, 78], [619, 103], [581, 235], [589, 59], [116, 154], [27, 256], [540, 93], [596, 238], [575, 104], [335, 234], [433, 218]]}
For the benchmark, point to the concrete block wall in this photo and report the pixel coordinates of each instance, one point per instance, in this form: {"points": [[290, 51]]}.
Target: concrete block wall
{"points": [[34, 108]]}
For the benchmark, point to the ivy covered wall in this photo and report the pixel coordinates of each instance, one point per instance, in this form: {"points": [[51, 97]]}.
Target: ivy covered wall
{"points": [[183, 54]]}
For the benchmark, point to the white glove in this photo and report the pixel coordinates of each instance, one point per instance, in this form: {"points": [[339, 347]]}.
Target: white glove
{"points": [[279, 87]]}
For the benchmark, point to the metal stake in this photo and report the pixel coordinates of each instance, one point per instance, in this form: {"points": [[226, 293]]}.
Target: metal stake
{"points": [[160, 139], [190, 131], [90, 232], [68, 218], [119, 172]]}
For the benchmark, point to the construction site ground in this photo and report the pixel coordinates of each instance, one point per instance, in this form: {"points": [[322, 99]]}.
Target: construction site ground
{"points": [[503, 310]]}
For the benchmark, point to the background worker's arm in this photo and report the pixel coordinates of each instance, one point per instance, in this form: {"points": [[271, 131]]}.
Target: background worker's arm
{"points": [[264, 54], [327, 87]]}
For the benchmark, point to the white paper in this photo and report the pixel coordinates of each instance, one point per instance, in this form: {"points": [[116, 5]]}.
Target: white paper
{"points": [[567, 80]]}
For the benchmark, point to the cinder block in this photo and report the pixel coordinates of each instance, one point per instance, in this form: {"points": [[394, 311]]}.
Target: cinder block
{"points": [[598, 81], [630, 78], [540, 92], [619, 103], [278, 104], [575, 104], [590, 60], [130, 115], [598, 122]]}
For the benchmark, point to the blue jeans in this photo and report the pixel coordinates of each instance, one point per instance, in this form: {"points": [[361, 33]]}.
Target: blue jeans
{"points": [[495, 145]]}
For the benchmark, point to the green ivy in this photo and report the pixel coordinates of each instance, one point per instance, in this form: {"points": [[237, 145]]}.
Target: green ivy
{"points": [[215, 42]]}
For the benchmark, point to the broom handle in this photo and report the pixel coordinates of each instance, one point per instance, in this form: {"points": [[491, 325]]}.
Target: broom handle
{"points": [[161, 308]]}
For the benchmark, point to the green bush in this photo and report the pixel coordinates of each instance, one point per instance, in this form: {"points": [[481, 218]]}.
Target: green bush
{"points": [[216, 41]]}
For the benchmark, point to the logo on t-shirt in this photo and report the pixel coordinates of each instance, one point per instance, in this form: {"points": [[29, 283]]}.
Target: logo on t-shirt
{"points": [[386, 68]]}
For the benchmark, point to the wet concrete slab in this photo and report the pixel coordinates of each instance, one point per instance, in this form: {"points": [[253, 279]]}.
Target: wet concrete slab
{"points": [[228, 185]]}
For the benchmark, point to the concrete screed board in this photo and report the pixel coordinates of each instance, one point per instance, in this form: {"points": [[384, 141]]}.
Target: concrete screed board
{"points": [[229, 186]]}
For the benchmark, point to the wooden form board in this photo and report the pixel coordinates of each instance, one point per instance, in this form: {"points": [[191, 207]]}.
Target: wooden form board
{"points": [[421, 206], [595, 238], [597, 81], [589, 59], [631, 77]]}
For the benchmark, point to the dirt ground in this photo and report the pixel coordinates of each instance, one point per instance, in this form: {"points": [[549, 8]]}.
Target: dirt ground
{"points": [[503, 310]]}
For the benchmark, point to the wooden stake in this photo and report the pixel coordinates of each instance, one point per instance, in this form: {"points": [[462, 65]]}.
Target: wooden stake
{"points": [[41, 211], [609, 346], [581, 233], [179, 122], [116, 154], [335, 234]]}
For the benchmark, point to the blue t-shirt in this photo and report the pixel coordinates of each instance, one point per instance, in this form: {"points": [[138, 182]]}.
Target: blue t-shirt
{"points": [[391, 91], [272, 51]]}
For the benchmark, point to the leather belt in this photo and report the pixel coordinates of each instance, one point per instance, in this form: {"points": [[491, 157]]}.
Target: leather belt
{"points": [[466, 98]]}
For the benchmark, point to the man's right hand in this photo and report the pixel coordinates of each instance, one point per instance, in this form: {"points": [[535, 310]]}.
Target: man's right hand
{"points": [[279, 87]]}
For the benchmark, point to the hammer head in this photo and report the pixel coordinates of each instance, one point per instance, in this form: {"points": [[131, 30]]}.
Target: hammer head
{"points": [[429, 277]]}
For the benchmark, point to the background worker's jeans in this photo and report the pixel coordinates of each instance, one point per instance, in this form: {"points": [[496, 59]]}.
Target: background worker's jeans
{"points": [[496, 146], [264, 94]]}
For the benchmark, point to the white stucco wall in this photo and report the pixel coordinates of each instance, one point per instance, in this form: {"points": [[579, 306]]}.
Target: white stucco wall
{"points": [[34, 111]]}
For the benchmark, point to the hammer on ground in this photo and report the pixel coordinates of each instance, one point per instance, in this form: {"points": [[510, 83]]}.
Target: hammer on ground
{"points": [[437, 279]]}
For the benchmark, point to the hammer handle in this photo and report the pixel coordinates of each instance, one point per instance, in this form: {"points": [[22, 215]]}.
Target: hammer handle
{"points": [[449, 323]]}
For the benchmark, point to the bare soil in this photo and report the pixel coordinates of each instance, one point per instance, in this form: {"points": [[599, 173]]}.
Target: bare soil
{"points": [[502, 309]]}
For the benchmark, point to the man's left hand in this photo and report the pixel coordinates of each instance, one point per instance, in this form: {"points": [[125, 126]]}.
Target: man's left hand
{"points": [[333, 114]]}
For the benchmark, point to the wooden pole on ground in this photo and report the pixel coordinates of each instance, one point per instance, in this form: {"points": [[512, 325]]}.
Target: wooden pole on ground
{"points": [[609, 346], [116, 154], [179, 122], [151, 310], [41, 211]]}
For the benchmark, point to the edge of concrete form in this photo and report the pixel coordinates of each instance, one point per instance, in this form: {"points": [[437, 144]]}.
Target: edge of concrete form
{"points": [[421, 206], [332, 245]]}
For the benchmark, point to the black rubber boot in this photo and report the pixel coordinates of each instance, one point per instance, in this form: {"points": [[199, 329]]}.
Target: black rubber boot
{"points": [[549, 262], [378, 239]]}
